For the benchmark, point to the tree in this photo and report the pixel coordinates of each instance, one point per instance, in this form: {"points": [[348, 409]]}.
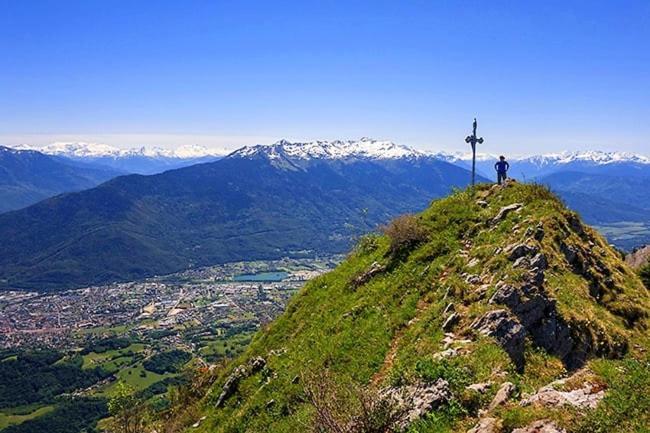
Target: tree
{"points": [[128, 411]]}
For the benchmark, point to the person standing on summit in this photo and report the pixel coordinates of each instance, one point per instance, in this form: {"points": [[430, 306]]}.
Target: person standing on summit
{"points": [[502, 167]]}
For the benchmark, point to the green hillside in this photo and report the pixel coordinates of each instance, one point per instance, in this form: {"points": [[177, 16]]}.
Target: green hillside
{"points": [[526, 295]]}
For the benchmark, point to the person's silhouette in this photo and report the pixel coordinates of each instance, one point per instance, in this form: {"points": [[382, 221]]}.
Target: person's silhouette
{"points": [[502, 167]]}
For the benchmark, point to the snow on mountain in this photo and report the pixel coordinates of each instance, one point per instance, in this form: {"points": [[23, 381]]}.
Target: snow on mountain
{"points": [[454, 157], [365, 148], [595, 157], [99, 150]]}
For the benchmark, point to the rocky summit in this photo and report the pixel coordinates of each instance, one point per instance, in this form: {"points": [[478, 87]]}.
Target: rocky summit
{"points": [[495, 310]]}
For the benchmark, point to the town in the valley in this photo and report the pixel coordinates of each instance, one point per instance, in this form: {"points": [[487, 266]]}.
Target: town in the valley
{"points": [[187, 309]]}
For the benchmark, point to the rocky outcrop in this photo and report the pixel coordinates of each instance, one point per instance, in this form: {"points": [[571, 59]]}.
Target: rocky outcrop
{"points": [[541, 426], [243, 371], [521, 250], [638, 257], [586, 397], [507, 331], [503, 394], [486, 425], [374, 269], [419, 399], [451, 321], [504, 211]]}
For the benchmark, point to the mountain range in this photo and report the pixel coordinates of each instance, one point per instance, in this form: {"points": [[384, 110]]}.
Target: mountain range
{"points": [[27, 177], [142, 160], [260, 202]]}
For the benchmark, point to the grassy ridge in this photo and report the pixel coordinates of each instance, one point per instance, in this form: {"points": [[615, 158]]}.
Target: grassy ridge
{"points": [[386, 330]]}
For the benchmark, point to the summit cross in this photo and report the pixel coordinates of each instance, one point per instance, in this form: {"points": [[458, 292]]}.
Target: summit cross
{"points": [[472, 140]]}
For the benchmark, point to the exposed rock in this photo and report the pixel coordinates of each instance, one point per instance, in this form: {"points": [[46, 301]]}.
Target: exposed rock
{"points": [[419, 399], [507, 331], [539, 232], [473, 262], [448, 353], [257, 364], [451, 321], [521, 262], [504, 211], [241, 372], [572, 255], [448, 308], [539, 262], [541, 426], [638, 257], [536, 277], [450, 340], [503, 394], [521, 250], [538, 315], [374, 269], [482, 203], [231, 384], [486, 425], [480, 387], [586, 397], [482, 290], [576, 225]]}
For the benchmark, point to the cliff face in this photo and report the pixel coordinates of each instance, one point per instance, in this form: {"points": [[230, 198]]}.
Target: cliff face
{"points": [[494, 309]]}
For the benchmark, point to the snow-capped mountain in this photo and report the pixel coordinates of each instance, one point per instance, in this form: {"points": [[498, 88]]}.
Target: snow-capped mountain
{"points": [[365, 148], [99, 150], [142, 160], [595, 157]]}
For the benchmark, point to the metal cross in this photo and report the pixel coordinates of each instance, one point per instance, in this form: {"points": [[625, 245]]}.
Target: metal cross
{"points": [[472, 139]]}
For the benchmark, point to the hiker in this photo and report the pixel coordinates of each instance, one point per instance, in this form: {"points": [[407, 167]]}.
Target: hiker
{"points": [[502, 167]]}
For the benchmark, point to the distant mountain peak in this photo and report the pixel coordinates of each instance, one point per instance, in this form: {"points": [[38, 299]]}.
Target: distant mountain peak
{"points": [[364, 148], [100, 150], [597, 157]]}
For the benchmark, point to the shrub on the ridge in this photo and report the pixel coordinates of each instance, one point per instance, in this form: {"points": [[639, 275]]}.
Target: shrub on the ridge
{"points": [[405, 233]]}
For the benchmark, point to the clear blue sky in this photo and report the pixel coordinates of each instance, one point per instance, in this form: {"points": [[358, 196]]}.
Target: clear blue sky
{"points": [[540, 76]]}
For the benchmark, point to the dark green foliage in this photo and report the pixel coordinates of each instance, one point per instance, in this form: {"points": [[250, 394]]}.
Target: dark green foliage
{"points": [[233, 209], [38, 377], [111, 343], [70, 416], [167, 362]]}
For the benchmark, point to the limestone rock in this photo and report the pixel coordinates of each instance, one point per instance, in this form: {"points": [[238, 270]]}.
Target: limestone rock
{"points": [[504, 211], [231, 384], [241, 372], [374, 269], [451, 321], [586, 397], [419, 399], [521, 250], [486, 425], [541, 426], [503, 394], [507, 331], [539, 262], [480, 387]]}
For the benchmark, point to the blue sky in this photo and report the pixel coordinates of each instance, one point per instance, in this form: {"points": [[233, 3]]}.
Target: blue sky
{"points": [[540, 76]]}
